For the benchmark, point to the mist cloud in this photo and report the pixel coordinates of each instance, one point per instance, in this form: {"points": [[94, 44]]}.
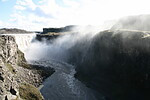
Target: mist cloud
{"points": [[140, 22], [59, 48]]}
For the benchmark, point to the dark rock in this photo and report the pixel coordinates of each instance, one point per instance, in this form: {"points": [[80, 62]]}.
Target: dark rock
{"points": [[1, 78], [45, 72], [115, 63], [12, 91], [58, 30], [6, 98], [53, 33], [41, 37]]}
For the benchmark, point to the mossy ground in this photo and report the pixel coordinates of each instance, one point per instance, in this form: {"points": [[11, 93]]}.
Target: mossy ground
{"points": [[21, 60], [29, 92]]}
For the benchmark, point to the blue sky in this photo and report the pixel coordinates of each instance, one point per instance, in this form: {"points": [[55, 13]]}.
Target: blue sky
{"points": [[6, 8], [36, 14]]}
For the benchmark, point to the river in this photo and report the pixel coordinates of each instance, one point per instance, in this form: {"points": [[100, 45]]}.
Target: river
{"points": [[63, 86]]}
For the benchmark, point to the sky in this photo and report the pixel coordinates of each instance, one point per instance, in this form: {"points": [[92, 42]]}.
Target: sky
{"points": [[33, 15]]}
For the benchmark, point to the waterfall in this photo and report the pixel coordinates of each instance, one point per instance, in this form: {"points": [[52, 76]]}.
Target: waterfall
{"points": [[23, 40]]}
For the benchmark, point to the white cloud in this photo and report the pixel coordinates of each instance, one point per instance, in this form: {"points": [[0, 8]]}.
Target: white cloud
{"points": [[18, 7], [48, 13], [26, 3]]}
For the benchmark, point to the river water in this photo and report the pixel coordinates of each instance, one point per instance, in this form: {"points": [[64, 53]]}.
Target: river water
{"points": [[63, 86]]}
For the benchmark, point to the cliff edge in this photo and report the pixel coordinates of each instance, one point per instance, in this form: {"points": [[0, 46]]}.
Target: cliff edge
{"points": [[18, 80], [115, 63]]}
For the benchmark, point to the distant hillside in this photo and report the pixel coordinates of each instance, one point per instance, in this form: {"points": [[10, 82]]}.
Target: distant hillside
{"points": [[12, 30]]}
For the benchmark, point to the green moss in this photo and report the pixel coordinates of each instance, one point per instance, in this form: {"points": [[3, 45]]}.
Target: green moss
{"points": [[24, 65], [29, 92], [21, 60], [10, 67]]}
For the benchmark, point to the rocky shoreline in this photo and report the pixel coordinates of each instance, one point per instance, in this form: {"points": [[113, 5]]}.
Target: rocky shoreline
{"points": [[18, 79]]}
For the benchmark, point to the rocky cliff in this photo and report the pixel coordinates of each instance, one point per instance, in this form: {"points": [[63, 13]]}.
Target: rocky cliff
{"points": [[115, 63], [18, 80], [53, 33], [58, 30]]}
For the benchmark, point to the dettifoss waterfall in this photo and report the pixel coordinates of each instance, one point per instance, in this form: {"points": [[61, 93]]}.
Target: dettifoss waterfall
{"points": [[109, 65]]}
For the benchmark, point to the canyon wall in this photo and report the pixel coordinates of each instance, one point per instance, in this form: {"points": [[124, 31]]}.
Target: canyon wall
{"points": [[115, 63], [17, 79]]}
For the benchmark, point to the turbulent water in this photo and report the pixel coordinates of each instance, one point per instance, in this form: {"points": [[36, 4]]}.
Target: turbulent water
{"points": [[62, 84]]}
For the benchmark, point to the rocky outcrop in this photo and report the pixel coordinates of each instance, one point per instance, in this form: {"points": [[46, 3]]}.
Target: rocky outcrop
{"points": [[15, 73], [53, 33], [51, 37], [115, 63], [58, 30], [10, 52]]}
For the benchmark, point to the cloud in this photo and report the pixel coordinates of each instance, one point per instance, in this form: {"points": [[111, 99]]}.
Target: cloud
{"points": [[29, 4], [45, 14], [56, 13]]}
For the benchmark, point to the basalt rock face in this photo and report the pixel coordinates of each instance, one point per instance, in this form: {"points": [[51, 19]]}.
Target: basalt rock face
{"points": [[43, 37], [53, 33], [58, 30], [115, 63], [14, 71]]}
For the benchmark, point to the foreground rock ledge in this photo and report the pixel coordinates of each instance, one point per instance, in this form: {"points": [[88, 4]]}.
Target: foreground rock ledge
{"points": [[18, 80]]}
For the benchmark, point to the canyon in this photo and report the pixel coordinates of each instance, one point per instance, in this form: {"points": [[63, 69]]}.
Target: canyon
{"points": [[110, 64]]}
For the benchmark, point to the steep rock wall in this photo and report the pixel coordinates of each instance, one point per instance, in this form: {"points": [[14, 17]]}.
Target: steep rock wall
{"points": [[15, 73], [115, 63]]}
